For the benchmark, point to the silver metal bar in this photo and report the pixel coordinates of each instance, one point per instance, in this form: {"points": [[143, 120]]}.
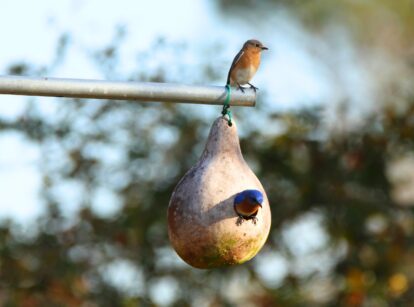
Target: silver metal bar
{"points": [[142, 91]]}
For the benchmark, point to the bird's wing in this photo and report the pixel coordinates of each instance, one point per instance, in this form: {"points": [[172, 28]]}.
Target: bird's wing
{"points": [[235, 60]]}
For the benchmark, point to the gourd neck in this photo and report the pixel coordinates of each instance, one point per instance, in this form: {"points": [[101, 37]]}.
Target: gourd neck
{"points": [[222, 140]]}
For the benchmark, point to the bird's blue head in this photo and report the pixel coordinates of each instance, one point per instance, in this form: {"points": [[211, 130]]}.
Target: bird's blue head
{"points": [[255, 196]]}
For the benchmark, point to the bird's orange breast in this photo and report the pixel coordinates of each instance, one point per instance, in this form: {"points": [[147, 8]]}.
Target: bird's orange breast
{"points": [[246, 208], [245, 68]]}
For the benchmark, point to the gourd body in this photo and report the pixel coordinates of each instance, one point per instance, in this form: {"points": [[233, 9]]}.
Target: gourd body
{"points": [[202, 222]]}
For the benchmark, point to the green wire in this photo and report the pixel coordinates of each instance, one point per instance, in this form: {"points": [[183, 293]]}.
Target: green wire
{"points": [[226, 106]]}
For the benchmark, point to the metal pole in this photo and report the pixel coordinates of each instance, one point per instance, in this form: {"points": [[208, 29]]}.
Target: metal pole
{"points": [[143, 91]]}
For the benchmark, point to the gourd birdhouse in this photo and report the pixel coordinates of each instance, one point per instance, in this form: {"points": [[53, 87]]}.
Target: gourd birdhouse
{"points": [[219, 213]]}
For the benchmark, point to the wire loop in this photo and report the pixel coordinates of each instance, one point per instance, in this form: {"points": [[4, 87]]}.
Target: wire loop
{"points": [[226, 106]]}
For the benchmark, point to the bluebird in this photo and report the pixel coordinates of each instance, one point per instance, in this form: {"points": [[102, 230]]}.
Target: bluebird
{"points": [[246, 204], [245, 64]]}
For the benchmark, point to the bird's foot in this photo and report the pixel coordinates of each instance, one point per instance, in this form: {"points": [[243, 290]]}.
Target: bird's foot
{"points": [[239, 221], [253, 87], [240, 87]]}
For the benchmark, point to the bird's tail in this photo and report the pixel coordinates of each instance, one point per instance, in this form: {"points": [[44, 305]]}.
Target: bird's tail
{"points": [[228, 79]]}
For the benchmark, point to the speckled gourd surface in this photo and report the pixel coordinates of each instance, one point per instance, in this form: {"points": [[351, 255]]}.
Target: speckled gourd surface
{"points": [[202, 223]]}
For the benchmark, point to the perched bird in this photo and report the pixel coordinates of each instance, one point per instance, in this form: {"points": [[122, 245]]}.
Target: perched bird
{"points": [[246, 204], [245, 64]]}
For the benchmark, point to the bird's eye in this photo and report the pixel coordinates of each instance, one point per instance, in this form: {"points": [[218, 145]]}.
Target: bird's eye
{"points": [[257, 45]]}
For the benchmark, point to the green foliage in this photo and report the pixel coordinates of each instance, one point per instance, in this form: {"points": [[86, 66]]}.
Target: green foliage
{"points": [[343, 178]]}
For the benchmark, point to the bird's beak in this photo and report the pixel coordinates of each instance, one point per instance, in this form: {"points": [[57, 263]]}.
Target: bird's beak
{"points": [[260, 204], [264, 48]]}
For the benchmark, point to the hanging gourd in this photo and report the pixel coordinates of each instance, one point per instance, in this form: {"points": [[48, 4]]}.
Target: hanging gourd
{"points": [[219, 213]]}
